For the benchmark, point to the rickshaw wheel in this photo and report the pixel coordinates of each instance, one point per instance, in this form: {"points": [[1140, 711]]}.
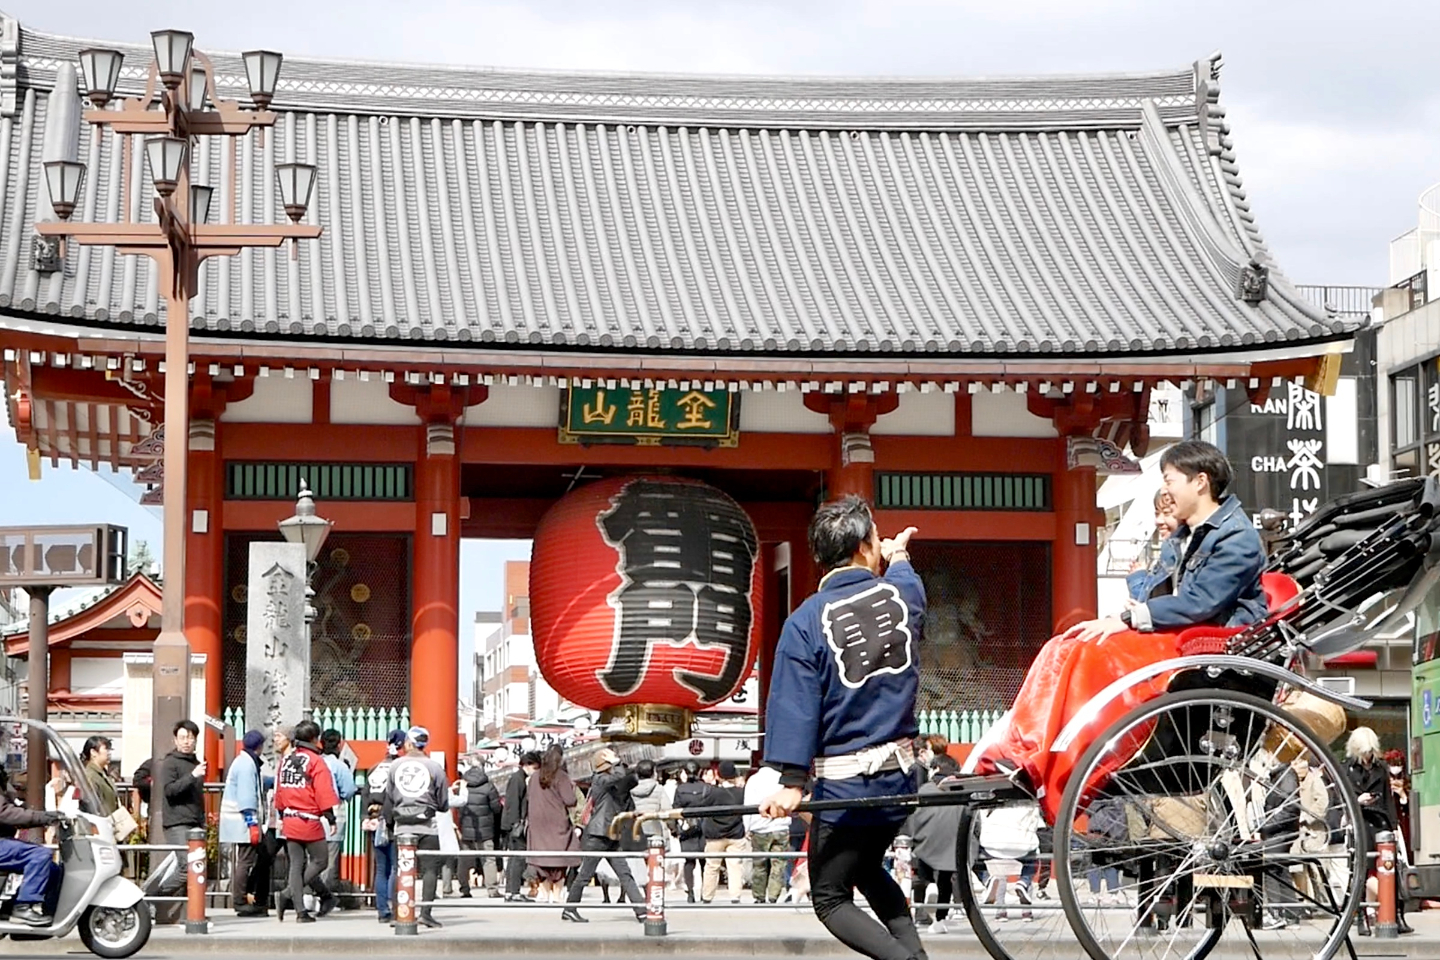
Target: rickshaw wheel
{"points": [[1192, 800]]}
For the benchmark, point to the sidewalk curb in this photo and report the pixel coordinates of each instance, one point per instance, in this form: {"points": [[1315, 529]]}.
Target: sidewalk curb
{"points": [[958, 946]]}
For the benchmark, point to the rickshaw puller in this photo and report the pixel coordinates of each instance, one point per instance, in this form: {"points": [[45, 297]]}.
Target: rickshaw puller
{"points": [[842, 696]]}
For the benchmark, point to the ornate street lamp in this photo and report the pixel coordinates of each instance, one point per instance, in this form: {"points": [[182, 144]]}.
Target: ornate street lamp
{"points": [[200, 198], [63, 178], [305, 527], [101, 69], [167, 157], [179, 103], [172, 55], [262, 70]]}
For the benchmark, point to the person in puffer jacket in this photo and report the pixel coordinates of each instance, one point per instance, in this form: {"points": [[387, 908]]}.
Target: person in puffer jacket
{"points": [[478, 821]]}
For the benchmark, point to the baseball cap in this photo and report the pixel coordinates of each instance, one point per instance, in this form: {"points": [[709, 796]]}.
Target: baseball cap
{"points": [[418, 736]]}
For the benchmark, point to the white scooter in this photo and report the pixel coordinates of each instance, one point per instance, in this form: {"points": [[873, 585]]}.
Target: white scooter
{"points": [[109, 910]]}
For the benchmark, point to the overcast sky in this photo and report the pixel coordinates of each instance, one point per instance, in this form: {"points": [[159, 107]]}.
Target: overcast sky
{"points": [[1335, 106]]}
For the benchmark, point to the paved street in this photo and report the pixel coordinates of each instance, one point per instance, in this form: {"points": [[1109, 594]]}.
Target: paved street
{"points": [[712, 933]]}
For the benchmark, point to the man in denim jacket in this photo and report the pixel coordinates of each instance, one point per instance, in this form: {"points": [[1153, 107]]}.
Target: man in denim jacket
{"points": [[1212, 573], [1209, 575]]}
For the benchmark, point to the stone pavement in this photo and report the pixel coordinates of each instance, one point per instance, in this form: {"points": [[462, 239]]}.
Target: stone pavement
{"points": [[708, 931]]}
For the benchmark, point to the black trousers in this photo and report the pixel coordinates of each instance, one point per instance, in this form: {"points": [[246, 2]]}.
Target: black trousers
{"points": [[429, 868], [251, 875], [617, 863], [514, 866], [944, 881], [308, 859], [844, 859]]}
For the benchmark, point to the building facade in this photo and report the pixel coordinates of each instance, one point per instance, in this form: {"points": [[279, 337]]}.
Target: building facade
{"points": [[953, 297]]}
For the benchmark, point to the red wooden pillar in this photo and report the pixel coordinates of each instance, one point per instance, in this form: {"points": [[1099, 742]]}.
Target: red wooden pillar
{"points": [[60, 671], [852, 415], [435, 652], [205, 554], [1074, 587]]}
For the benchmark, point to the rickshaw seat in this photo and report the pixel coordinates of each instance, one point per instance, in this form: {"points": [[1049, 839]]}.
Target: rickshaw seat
{"points": [[1280, 589]]}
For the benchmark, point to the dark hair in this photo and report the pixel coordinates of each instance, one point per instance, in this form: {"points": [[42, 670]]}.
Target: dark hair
{"points": [[1194, 457], [330, 742], [945, 766], [184, 725], [838, 530], [550, 764], [91, 745], [307, 731], [530, 758], [692, 770], [645, 769]]}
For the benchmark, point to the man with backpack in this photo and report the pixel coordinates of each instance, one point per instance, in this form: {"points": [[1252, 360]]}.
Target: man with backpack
{"points": [[609, 796], [415, 793]]}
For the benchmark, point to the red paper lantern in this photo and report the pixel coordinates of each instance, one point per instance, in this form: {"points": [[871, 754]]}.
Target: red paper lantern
{"points": [[644, 601]]}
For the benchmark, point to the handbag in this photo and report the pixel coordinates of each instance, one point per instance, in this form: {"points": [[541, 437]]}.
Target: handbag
{"points": [[123, 823]]}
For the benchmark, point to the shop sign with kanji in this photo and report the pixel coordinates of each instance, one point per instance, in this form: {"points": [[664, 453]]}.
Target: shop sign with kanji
{"points": [[649, 416]]}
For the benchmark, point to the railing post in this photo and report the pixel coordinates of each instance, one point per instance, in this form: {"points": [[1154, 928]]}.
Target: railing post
{"points": [[1386, 925], [903, 875], [195, 867], [655, 887], [405, 871]]}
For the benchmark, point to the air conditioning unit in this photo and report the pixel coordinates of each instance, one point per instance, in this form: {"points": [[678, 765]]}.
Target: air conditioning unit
{"points": [[1345, 686]]}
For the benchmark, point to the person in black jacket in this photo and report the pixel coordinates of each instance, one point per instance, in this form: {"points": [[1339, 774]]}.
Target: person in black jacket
{"points": [[181, 786], [478, 819], [725, 835], [513, 825], [31, 860], [609, 797], [692, 791], [1371, 780]]}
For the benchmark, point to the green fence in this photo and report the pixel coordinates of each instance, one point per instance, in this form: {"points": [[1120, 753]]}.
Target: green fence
{"points": [[958, 726], [366, 723]]}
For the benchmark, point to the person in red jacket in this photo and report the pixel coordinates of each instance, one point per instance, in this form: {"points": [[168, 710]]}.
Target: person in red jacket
{"points": [[304, 797]]}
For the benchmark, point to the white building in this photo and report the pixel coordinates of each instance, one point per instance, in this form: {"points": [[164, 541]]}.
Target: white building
{"points": [[510, 692]]}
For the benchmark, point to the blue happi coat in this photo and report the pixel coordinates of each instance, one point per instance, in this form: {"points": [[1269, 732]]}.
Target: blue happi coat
{"points": [[846, 672]]}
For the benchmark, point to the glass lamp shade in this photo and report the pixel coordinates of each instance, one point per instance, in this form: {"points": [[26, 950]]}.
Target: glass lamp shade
{"points": [[200, 198], [297, 180], [195, 91], [167, 156], [101, 69], [64, 179], [172, 54], [305, 527], [262, 70]]}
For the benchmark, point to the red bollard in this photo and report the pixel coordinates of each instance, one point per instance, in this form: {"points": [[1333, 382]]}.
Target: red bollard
{"points": [[405, 871], [904, 874], [655, 887], [1387, 926], [195, 865]]}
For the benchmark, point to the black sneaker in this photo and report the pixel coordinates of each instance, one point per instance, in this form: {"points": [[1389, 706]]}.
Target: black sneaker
{"points": [[328, 903], [427, 920], [31, 914]]}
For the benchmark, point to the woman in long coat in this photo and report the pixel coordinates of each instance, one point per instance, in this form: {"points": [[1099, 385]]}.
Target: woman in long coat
{"points": [[550, 795]]}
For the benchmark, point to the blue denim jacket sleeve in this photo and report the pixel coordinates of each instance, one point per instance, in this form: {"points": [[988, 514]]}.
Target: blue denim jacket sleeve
{"points": [[1221, 577]]}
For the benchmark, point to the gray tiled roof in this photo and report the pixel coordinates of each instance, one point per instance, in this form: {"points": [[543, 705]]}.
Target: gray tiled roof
{"points": [[842, 215]]}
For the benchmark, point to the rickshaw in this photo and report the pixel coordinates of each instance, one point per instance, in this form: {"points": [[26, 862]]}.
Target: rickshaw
{"points": [[1191, 811], [108, 910], [1186, 820]]}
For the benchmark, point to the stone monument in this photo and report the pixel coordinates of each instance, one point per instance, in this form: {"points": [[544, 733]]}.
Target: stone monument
{"points": [[277, 645]]}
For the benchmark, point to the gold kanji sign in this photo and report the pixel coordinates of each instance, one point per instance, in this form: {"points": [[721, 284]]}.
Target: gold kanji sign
{"points": [[649, 416]]}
